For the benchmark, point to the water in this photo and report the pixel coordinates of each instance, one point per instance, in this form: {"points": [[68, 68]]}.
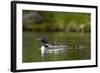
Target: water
{"points": [[78, 46]]}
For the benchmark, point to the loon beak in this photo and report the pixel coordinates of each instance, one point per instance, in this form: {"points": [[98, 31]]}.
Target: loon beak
{"points": [[38, 39]]}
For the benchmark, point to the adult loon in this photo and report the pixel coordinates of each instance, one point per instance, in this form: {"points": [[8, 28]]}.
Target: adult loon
{"points": [[50, 47]]}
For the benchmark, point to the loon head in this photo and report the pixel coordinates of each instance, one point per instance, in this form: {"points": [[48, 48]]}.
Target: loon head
{"points": [[44, 41]]}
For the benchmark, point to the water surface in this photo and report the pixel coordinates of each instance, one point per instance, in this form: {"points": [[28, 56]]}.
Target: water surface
{"points": [[78, 46]]}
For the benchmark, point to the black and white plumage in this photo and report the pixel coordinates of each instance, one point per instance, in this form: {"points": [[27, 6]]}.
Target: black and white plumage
{"points": [[49, 47]]}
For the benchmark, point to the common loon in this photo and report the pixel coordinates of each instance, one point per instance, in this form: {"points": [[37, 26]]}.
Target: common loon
{"points": [[50, 47]]}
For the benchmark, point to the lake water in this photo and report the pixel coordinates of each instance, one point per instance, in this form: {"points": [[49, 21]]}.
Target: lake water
{"points": [[78, 46]]}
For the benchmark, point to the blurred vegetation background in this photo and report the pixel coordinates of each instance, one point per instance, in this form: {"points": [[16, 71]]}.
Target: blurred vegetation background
{"points": [[69, 28], [56, 21]]}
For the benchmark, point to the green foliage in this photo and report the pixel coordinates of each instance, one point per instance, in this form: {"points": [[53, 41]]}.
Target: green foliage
{"points": [[56, 21]]}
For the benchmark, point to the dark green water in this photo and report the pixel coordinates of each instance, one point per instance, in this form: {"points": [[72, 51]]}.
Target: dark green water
{"points": [[78, 46]]}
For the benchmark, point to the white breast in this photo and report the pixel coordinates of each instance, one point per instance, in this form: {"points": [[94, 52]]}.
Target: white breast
{"points": [[43, 50]]}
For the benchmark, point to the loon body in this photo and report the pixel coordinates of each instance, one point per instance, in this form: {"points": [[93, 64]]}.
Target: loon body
{"points": [[48, 47]]}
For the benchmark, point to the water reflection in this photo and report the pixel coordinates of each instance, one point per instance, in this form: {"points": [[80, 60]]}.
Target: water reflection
{"points": [[53, 54], [69, 52]]}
